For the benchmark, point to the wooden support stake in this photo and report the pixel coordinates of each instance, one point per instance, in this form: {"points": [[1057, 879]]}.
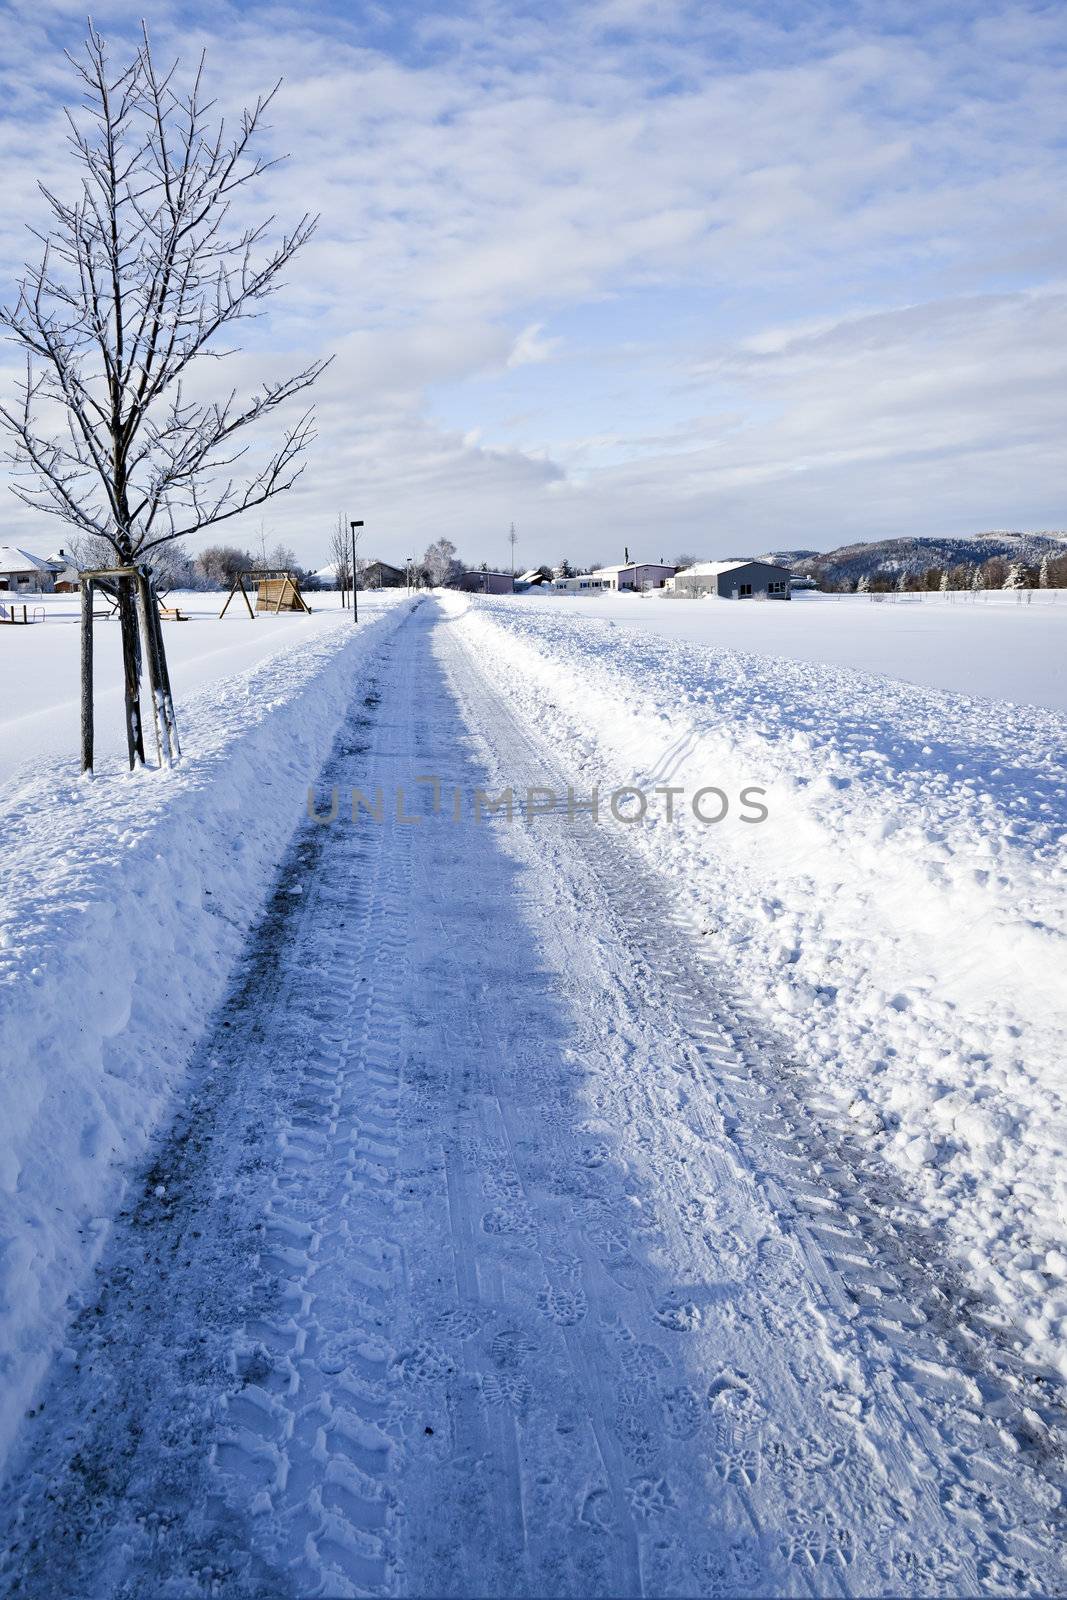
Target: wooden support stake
{"points": [[87, 674]]}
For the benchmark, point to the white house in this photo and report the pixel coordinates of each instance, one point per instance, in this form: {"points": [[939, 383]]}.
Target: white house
{"points": [[23, 573], [628, 577], [581, 583]]}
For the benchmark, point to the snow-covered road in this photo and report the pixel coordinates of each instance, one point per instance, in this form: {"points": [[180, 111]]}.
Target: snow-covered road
{"points": [[494, 1251]]}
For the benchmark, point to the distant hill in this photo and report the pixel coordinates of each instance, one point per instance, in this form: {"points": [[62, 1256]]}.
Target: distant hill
{"points": [[913, 556], [788, 558]]}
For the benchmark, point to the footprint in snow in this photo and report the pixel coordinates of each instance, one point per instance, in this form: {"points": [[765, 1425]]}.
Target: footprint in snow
{"points": [[681, 1316]]}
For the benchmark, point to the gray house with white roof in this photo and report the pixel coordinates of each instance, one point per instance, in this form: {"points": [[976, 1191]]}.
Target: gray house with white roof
{"points": [[733, 580], [23, 573]]}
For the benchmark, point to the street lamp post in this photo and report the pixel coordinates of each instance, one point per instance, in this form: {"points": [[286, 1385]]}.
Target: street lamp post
{"points": [[355, 603]]}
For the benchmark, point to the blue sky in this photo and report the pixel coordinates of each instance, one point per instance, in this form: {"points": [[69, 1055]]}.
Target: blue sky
{"points": [[681, 277]]}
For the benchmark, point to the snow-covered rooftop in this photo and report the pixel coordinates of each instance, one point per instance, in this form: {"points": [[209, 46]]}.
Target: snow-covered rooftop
{"points": [[15, 560], [626, 566], [710, 569]]}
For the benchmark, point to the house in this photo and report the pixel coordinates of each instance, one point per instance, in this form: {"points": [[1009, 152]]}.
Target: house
{"points": [[66, 578], [380, 575], [635, 576], [581, 583], [533, 578], [486, 583], [629, 576], [733, 580], [22, 573]]}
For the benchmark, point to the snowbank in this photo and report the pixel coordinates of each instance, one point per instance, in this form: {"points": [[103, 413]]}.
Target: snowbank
{"points": [[123, 904], [900, 916]]}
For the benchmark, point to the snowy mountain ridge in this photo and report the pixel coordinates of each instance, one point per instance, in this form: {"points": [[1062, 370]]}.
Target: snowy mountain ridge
{"points": [[916, 555]]}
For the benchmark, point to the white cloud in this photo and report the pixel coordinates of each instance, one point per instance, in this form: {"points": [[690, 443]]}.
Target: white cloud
{"points": [[532, 346], [803, 238]]}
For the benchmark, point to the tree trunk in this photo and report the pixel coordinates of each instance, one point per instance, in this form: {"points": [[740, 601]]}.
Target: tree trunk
{"points": [[145, 606], [164, 676], [131, 671], [87, 674]]}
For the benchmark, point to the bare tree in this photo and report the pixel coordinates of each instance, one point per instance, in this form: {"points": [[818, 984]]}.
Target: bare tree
{"points": [[441, 562], [341, 555], [359, 561], [283, 557], [139, 276], [221, 563]]}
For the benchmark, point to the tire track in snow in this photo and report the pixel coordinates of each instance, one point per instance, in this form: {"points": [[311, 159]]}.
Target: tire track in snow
{"points": [[306, 1448]]}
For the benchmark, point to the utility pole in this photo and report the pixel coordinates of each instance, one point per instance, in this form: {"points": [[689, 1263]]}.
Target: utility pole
{"points": [[355, 537], [513, 540]]}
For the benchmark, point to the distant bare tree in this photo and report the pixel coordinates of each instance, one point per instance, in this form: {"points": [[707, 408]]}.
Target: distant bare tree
{"points": [[138, 277], [359, 563], [441, 562], [220, 563], [283, 556], [341, 555]]}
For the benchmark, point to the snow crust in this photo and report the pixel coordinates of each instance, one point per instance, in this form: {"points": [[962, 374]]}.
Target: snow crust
{"points": [[899, 916], [124, 901], [1008, 646]]}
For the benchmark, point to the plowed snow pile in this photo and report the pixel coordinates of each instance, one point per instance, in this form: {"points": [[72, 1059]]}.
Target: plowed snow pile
{"points": [[899, 915]]}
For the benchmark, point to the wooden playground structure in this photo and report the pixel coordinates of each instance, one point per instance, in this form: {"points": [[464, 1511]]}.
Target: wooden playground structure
{"points": [[9, 613], [277, 590]]}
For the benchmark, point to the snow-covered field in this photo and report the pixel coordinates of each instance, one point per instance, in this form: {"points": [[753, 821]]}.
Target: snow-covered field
{"points": [[1001, 645], [900, 916], [39, 668], [541, 1205]]}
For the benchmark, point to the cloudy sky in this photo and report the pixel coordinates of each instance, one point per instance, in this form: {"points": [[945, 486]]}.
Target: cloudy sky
{"points": [[682, 277]]}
